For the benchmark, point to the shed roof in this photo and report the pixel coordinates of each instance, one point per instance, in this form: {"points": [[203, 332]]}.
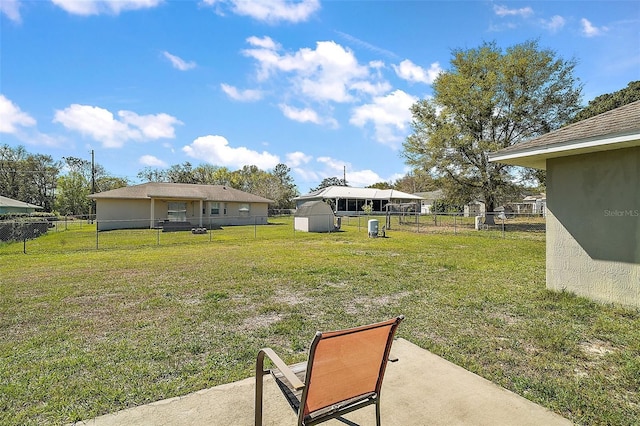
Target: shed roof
{"points": [[615, 129], [10, 202], [342, 192], [314, 208], [181, 191]]}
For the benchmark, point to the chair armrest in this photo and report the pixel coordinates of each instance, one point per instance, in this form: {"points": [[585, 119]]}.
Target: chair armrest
{"points": [[284, 368]]}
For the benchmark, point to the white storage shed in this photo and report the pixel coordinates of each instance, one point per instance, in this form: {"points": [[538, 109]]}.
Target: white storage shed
{"points": [[314, 216]]}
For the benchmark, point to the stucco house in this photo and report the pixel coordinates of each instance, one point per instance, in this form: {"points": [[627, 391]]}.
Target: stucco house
{"points": [[11, 206], [347, 200], [592, 204], [148, 205]]}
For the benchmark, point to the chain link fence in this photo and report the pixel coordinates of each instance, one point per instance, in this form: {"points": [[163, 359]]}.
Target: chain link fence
{"points": [[38, 235]]}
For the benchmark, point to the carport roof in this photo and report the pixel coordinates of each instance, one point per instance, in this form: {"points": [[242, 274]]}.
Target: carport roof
{"points": [[615, 129], [181, 191], [343, 192], [10, 202]]}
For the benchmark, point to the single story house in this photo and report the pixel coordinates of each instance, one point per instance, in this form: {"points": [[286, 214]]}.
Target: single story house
{"points": [[534, 204], [346, 200], [314, 216], [149, 205], [11, 206], [593, 203]]}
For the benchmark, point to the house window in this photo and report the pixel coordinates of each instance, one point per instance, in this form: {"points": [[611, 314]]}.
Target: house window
{"points": [[244, 209], [215, 208], [177, 212]]}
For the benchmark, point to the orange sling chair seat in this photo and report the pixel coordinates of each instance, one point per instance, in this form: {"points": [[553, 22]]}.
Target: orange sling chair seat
{"points": [[343, 373]]}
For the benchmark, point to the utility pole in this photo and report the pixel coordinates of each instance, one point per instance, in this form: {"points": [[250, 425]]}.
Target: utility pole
{"points": [[344, 175], [93, 186], [93, 173]]}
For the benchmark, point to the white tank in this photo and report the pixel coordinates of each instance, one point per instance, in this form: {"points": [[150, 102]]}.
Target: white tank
{"points": [[372, 226]]}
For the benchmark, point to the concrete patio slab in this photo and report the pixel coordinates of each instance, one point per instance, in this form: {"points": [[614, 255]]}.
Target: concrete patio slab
{"points": [[420, 389]]}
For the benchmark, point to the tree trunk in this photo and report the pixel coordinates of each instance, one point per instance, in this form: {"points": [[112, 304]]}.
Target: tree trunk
{"points": [[489, 216]]}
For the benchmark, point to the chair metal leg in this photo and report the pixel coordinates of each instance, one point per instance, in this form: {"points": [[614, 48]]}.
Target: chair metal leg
{"points": [[378, 411], [259, 387]]}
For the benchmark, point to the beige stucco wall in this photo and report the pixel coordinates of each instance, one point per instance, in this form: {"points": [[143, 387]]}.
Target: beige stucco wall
{"points": [[593, 225], [129, 214], [122, 214]]}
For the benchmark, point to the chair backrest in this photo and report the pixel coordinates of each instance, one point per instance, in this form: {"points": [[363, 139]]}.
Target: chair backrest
{"points": [[346, 364]]}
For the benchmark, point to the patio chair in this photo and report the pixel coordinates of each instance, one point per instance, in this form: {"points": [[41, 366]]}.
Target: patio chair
{"points": [[343, 373]]}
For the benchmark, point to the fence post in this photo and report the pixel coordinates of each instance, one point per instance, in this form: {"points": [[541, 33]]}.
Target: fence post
{"points": [[97, 236], [455, 223]]}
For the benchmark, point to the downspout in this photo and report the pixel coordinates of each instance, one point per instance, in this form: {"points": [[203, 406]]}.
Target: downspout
{"points": [[200, 210]]}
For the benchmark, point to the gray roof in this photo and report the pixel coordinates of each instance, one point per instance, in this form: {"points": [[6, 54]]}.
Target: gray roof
{"points": [[618, 128], [343, 192], [312, 208], [10, 202], [181, 191], [438, 194]]}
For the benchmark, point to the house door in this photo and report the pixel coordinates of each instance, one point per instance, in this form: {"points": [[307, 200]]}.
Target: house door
{"points": [[177, 212]]}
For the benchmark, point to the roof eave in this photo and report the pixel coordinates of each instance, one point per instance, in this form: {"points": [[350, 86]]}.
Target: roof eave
{"points": [[536, 157]]}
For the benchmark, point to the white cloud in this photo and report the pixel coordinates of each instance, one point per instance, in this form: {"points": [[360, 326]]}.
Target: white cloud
{"points": [[389, 114], [554, 24], [12, 117], [331, 167], [216, 150], [589, 30], [247, 95], [306, 115], [11, 9], [407, 70], [20, 124], [505, 11], [264, 42], [363, 178], [96, 7], [371, 87], [295, 159], [326, 73], [302, 115], [158, 126], [101, 125], [178, 62], [271, 11], [151, 161]]}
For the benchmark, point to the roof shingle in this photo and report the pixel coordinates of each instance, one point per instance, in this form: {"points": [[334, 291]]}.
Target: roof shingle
{"points": [[185, 191]]}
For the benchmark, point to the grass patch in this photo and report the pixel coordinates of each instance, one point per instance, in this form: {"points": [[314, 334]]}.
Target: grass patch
{"points": [[87, 332]]}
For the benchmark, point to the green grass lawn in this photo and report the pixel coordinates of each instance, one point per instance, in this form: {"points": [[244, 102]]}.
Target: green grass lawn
{"points": [[84, 332]]}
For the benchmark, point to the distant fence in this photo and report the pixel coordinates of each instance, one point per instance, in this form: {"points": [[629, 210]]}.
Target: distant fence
{"points": [[86, 233], [453, 223], [83, 233]]}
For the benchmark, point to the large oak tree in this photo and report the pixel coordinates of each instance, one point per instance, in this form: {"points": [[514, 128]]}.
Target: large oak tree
{"points": [[489, 99]]}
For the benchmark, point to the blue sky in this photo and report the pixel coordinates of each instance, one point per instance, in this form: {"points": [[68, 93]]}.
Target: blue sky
{"points": [[319, 86]]}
